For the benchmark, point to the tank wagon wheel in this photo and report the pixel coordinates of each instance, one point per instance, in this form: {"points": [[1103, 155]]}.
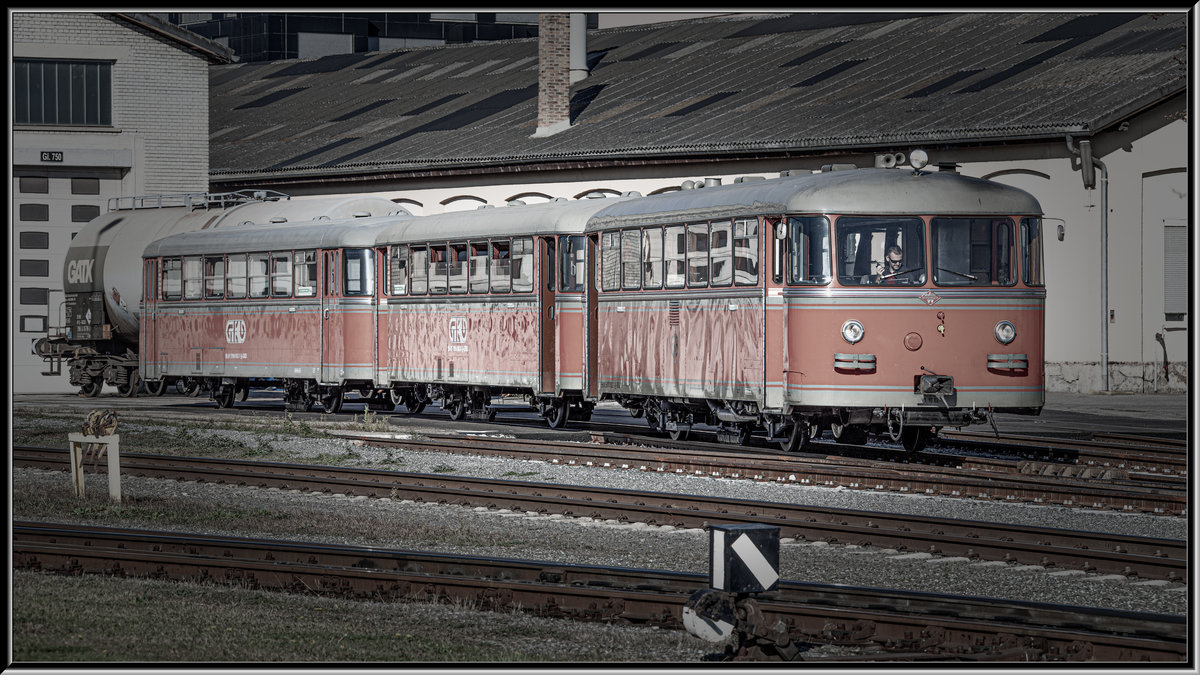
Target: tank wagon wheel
{"points": [[242, 391], [636, 412], [457, 409], [914, 439], [130, 388], [223, 395], [848, 433], [156, 387], [91, 389], [331, 401]]}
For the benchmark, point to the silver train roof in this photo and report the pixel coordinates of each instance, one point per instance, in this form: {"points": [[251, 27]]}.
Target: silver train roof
{"points": [[854, 191], [257, 237], [554, 217]]}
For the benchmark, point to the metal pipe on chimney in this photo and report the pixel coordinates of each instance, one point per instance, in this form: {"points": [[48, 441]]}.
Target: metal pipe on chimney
{"points": [[579, 68]]}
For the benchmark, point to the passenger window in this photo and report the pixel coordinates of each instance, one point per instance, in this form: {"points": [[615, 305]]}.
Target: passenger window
{"points": [[214, 278], [358, 270], [193, 278], [1031, 251], [399, 270], [674, 255], [631, 260], [172, 278], [610, 261], [306, 273], [721, 253], [972, 251], [258, 275], [438, 269], [281, 275], [501, 266], [235, 276], [522, 265], [457, 265], [697, 255], [573, 263], [652, 257], [881, 250], [808, 250], [479, 267], [419, 270], [745, 252]]}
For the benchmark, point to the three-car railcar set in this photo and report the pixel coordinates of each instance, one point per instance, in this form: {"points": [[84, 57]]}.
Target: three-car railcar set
{"points": [[887, 301]]}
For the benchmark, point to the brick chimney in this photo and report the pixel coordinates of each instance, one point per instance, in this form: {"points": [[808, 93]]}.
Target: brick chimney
{"points": [[554, 74]]}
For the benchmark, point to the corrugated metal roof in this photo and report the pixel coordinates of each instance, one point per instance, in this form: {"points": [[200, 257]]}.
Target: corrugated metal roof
{"points": [[723, 86]]}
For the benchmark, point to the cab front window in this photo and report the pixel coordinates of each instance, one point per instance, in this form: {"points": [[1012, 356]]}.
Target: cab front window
{"points": [[884, 251], [973, 251]]}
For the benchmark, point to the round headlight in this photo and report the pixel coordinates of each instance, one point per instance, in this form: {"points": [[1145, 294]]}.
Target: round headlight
{"points": [[852, 331], [1005, 332], [918, 159]]}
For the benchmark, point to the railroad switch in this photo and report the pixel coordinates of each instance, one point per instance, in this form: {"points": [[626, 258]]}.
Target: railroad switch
{"points": [[744, 565]]}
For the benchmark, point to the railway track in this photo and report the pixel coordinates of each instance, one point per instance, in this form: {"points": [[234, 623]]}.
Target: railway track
{"points": [[885, 624], [1143, 557]]}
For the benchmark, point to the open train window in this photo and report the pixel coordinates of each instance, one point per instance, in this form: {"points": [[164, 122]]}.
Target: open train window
{"points": [[501, 266], [675, 255], [745, 252], [419, 270], [479, 266], [235, 276], [172, 272], [522, 265], [258, 275], [808, 248], [281, 274], [398, 272], [1031, 251], [457, 267], [652, 258], [880, 250], [358, 272], [973, 251], [305, 265], [573, 261], [193, 278]]}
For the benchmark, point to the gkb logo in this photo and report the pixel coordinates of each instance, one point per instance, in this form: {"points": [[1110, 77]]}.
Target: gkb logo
{"points": [[235, 331], [458, 330]]}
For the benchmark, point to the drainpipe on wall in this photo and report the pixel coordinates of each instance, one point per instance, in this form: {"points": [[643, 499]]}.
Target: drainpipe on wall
{"points": [[1087, 164]]}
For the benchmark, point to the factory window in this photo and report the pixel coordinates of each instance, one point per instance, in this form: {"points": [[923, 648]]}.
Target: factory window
{"points": [[33, 324], [1175, 272], [172, 278], [85, 186], [34, 296], [82, 213], [35, 240], [34, 212], [34, 185], [35, 268], [258, 275], [77, 93]]}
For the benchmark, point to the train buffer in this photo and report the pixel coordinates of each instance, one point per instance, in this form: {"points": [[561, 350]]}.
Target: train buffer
{"points": [[743, 564]]}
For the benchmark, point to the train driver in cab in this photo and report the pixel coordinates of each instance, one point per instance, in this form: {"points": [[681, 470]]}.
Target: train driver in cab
{"points": [[892, 271]]}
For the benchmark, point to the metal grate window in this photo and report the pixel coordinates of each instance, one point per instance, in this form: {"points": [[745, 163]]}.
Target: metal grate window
{"points": [[1175, 269], [62, 92]]}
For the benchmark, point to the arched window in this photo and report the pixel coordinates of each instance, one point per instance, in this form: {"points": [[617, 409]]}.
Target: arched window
{"points": [[462, 203], [414, 207], [530, 198], [597, 193]]}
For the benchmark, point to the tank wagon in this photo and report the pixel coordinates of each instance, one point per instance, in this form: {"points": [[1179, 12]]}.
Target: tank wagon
{"points": [[866, 301], [97, 329]]}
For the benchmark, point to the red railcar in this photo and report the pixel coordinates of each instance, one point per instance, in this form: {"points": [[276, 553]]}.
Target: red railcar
{"points": [[885, 301]]}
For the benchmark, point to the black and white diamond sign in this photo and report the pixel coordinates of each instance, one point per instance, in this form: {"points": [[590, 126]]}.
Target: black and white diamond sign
{"points": [[744, 558]]}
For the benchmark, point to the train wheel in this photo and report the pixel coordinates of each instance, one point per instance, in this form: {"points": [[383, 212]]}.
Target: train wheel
{"points": [[224, 396], [91, 389], [678, 434], [457, 409], [242, 391], [848, 433], [156, 387], [130, 388], [745, 435], [636, 412], [557, 418], [331, 402], [914, 439], [192, 387], [798, 436]]}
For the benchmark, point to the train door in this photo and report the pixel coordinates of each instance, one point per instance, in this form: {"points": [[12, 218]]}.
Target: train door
{"points": [[381, 317], [548, 330], [331, 321], [150, 366], [775, 331], [591, 318]]}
